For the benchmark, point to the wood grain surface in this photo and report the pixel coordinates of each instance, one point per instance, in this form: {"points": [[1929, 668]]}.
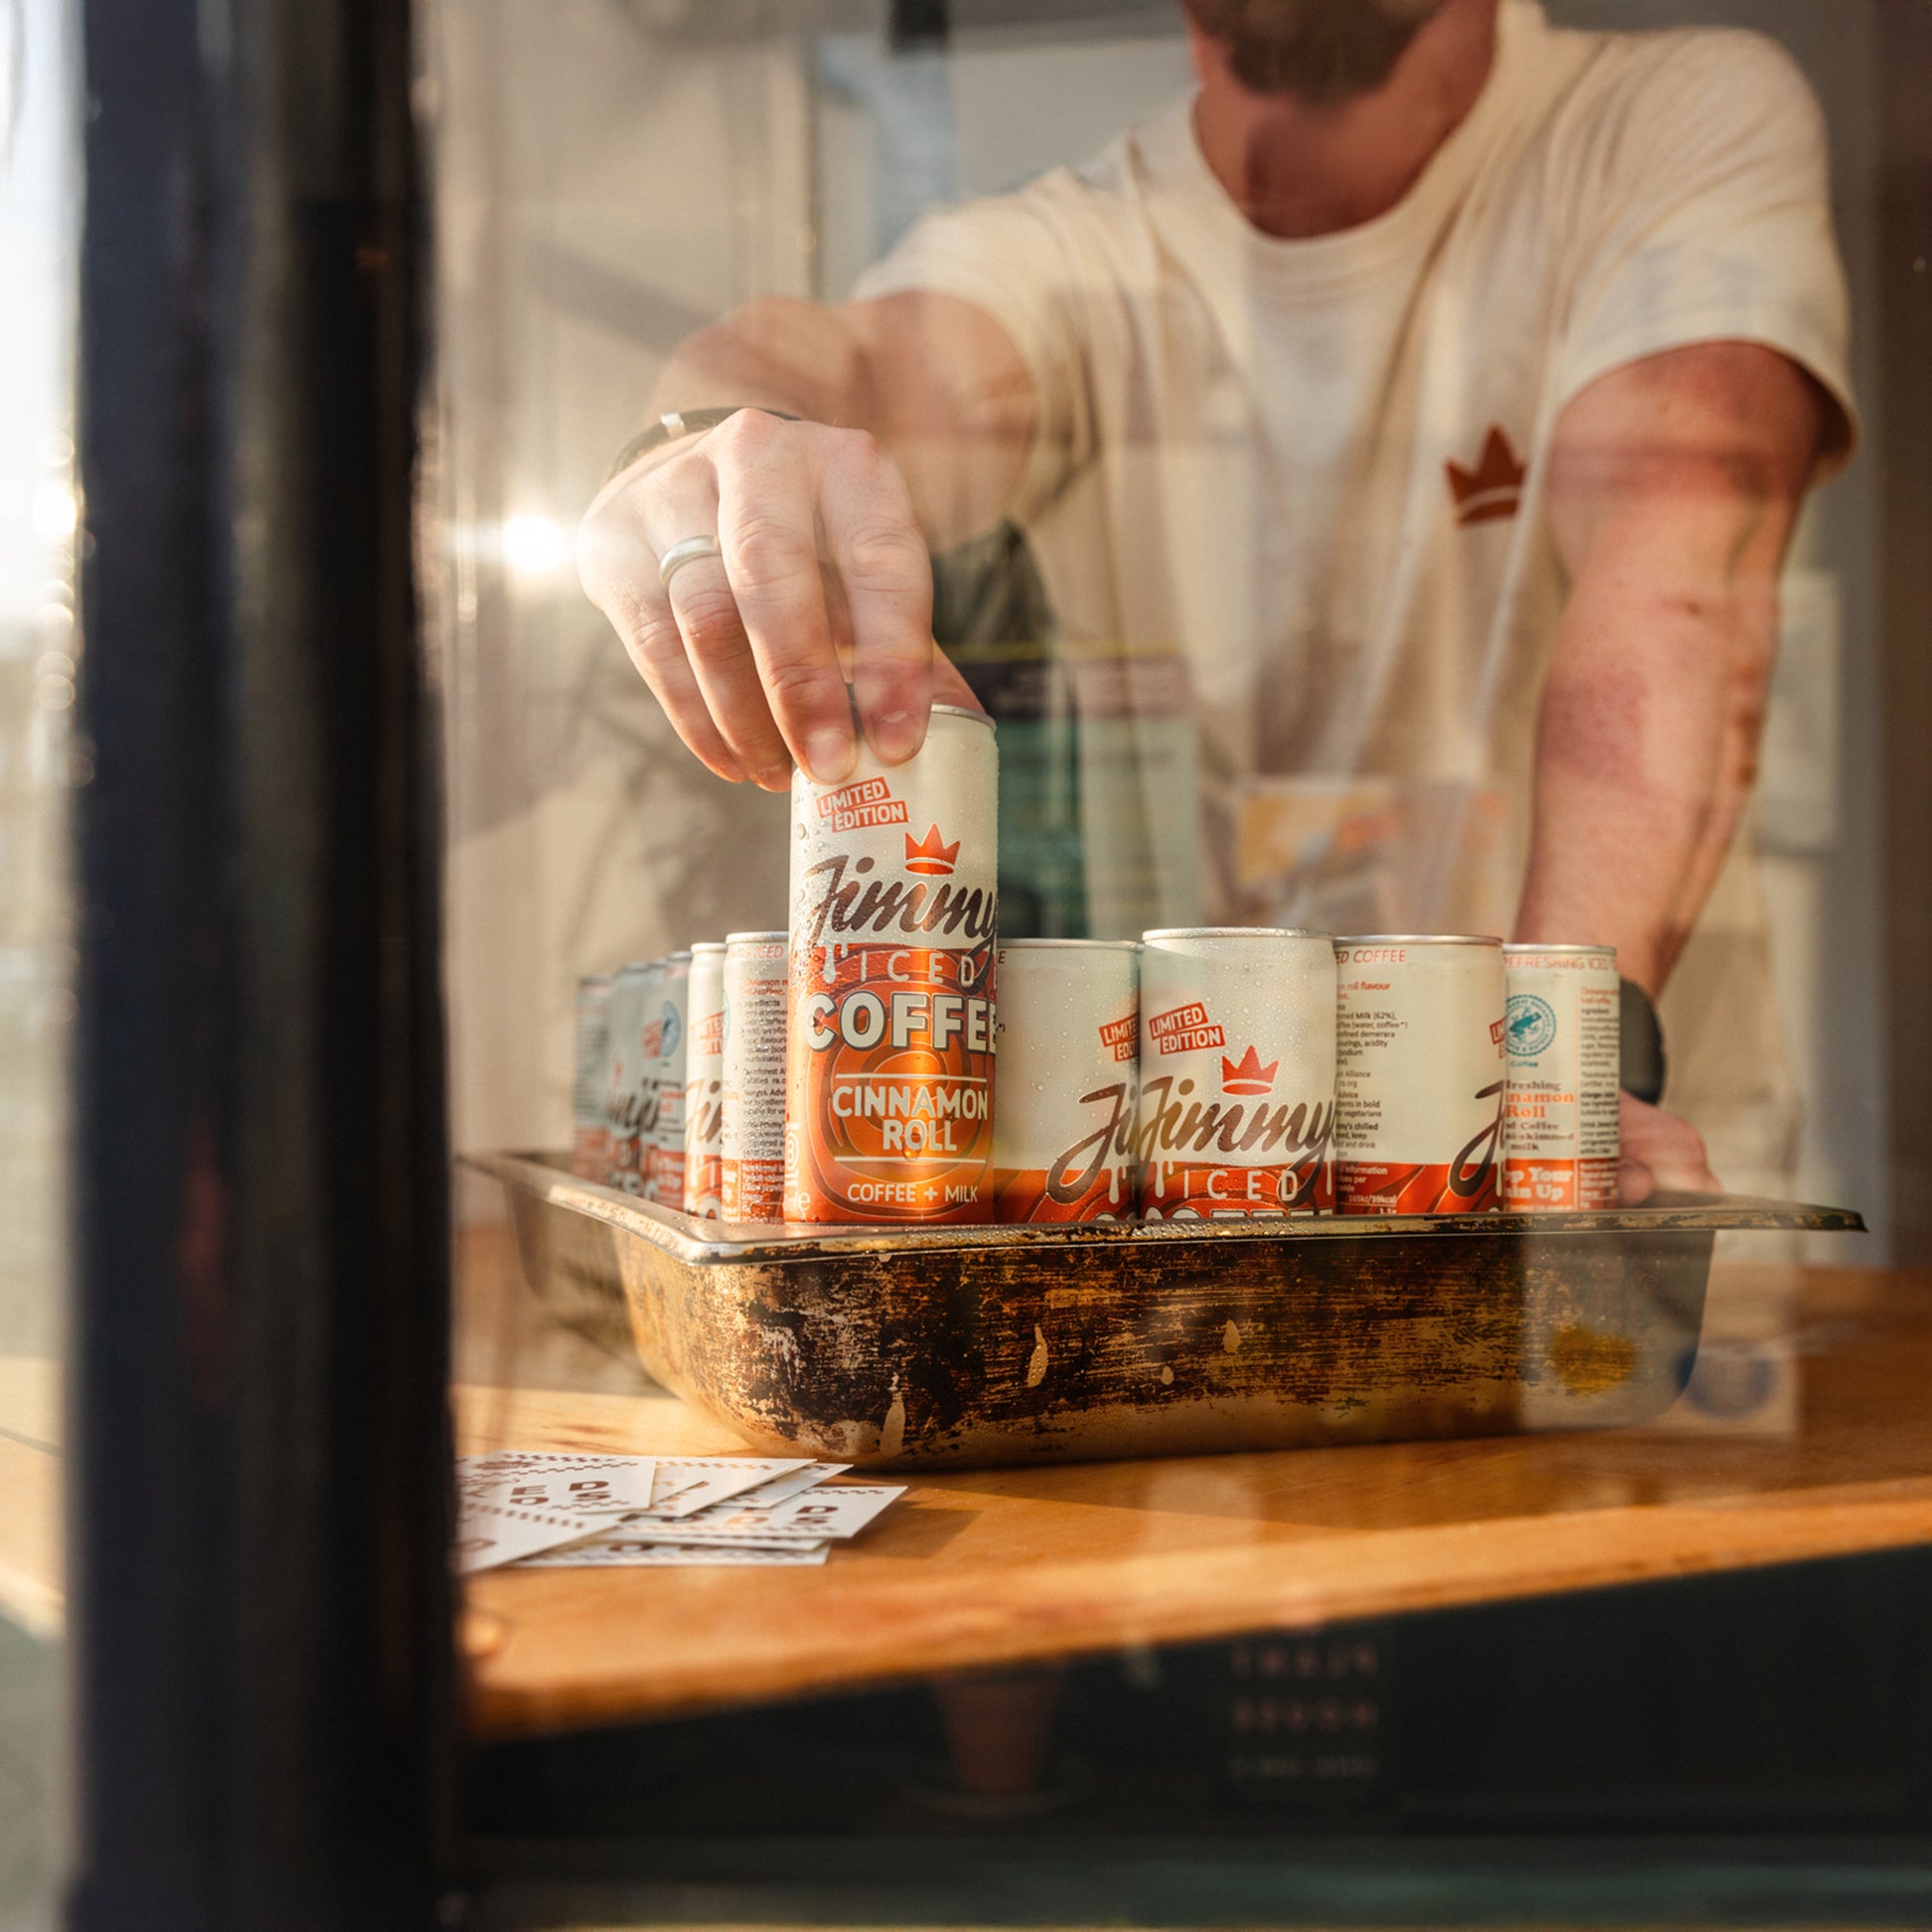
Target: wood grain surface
{"points": [[1003, 1567]]}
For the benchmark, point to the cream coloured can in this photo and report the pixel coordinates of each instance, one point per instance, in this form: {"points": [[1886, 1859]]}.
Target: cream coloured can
{"points": [[890, 1044], [1237, 1074], [627, 1094], [752, 1098], [1067, 1080], [1562, 1032], [704, 1081], [667, 1044], [1421, 1073], [589, 1124]]}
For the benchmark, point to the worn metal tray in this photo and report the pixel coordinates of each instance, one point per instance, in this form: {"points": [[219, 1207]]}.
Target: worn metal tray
{"points": [[969, 1346]]}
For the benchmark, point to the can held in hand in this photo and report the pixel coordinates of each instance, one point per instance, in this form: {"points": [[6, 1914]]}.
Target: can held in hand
{"points": [[1067, 1080], [752, 1166], [667, 1041], [894, 897], [629, 1095], [1420, 1073], [589, 1124], [704, 1083], [1561, 1033], [1237, 1074]]}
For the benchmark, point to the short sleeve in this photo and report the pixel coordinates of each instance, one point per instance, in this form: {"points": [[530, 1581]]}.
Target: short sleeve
{"points": [[1012, 256], [1709, 171]]}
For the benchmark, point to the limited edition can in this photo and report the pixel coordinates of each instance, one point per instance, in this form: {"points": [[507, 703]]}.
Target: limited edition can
{"points": [[1237, 1074], [590, 1123], [751, 1168], [1067, 1080], [704, 1083], [1560, 1125], [889, 1089], [1419, 1074], [628, 1092], [667, 1041]]}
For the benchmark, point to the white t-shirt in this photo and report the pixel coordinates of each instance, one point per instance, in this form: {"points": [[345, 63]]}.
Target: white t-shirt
{"points": [[1311, 469]]}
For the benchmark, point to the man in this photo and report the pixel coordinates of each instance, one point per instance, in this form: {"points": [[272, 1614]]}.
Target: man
{"points": [[1441, 386]]}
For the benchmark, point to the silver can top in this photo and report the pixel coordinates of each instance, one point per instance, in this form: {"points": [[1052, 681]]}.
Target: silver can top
{"points": [[706, 946], [962, 711], [1419, 939], [1582, 952], [755, 939], [1075, 945]]}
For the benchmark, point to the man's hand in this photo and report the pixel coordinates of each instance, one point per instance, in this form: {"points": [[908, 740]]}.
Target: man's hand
{"points": [[1659, 1150], [824, 574]]}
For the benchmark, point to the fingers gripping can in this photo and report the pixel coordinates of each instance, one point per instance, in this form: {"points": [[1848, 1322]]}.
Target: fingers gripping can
{"points": [[1419, 1074], [629, 1093], [704, 1081], [1237, 1074], [590, 1125], [888, 1095], [1560, 1126], [751, 1168], [667, 1041], [1067, 1079]]}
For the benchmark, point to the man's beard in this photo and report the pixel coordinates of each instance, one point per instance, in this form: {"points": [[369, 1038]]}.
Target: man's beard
{"points": [[1322, 50]]}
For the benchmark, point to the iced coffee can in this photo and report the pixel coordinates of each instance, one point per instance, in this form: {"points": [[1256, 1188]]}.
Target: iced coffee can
{"points": [[889, 1091], [628, 1092], [1560, 1122], [752, 1133], [1237, 1074], [1419, 1074], [668, 1034], [1067, 1079], [704, 1083], [590, 1125]]}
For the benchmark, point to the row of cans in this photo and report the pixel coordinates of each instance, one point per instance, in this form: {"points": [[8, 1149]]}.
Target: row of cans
{"points": [[679, 1093], [845, 1070]]}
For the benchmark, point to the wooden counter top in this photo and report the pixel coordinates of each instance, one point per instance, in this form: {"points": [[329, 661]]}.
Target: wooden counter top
{"points": [[1014, 1565]]}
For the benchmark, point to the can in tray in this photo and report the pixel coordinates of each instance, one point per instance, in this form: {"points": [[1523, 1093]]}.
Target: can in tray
{"points": [[752, 1133], [1237, 1073], [895, 897], [1420, 1071], [1067, 1080], [1560, 1126]]}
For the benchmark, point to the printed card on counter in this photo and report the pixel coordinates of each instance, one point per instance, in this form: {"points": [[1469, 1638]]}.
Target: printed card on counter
{"points": [[630, 1479], [494, 1532], [780, 1488], [689, 1483], [630, 1552], [838, 1512]]}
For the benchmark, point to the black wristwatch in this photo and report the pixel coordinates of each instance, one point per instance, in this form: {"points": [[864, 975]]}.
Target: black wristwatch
{"points": [[676, 424], [1641, 1061]]}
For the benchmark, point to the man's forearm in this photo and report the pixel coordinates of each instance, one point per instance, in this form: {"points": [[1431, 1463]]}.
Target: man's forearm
{"points": [[1646, 746]]}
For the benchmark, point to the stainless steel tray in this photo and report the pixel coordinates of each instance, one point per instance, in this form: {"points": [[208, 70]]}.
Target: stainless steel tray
{"points": [[971, 1346]]}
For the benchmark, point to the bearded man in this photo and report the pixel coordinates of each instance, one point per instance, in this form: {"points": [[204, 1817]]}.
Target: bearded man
{"points": [[1434, 392]]}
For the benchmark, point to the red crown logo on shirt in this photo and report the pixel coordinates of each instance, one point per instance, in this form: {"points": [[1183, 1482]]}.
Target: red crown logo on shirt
{"points": [[928, 855], [1494, 488], [1250, 1076]]}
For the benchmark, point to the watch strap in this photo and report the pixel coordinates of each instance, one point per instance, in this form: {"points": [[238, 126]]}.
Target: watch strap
{"points": [[1642, 1062], [676, 424]]}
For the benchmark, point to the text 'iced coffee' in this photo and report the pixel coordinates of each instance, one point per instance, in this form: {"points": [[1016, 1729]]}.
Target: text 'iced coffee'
{"points": [[1237, 1074], [889, 1091], [1069, 1080]]}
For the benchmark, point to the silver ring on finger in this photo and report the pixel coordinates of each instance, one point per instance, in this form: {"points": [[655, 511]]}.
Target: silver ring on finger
{"points": [[687, 552]]}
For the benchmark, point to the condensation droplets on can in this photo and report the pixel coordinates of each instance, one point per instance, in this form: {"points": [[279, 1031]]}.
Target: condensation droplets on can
{"points": [[752, 1164], [888, 1091], [1420, 1074], [1067, 1080], [1562, 1032], [666, 1044], [1237, 1073], [628, 1092]]}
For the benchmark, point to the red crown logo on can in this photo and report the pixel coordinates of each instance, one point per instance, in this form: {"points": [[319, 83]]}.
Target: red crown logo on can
{"points": [[929, 854], [1250, 1076]]}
